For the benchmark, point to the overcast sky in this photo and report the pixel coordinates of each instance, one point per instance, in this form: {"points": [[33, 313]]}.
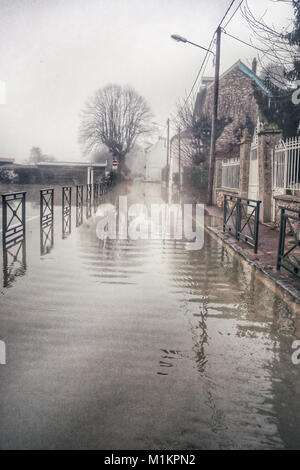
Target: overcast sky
{"points": [[55, 53]]}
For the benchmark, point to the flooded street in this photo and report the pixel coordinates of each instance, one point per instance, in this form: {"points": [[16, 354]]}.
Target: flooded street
{"points": [[144, 345]]}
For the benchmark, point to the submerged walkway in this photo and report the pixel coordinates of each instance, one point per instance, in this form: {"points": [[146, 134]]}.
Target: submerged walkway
{"points": [[266, 258], [143, 344]]}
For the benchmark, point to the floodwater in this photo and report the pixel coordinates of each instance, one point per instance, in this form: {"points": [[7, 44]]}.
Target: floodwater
{"points": [[144, 345]]}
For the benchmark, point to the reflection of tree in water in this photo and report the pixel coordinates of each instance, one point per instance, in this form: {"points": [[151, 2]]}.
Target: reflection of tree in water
{"points": [[200, 338], [285, 375], [260, 316]]}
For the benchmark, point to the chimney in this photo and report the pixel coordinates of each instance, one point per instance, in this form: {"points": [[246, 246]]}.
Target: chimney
{"points": [[254, 66]]}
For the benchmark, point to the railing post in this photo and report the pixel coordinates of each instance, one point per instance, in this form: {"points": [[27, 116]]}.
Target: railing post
{"points": [[79, 205], [238, 218], [66, 210], [281, 238], [225, 213], [4, 229], [14, 232], [256, 228]]}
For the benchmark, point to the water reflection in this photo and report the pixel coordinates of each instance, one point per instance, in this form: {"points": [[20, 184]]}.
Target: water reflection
{"points": [[161, 348], [66, 211], [14, 262], [46, 220]]}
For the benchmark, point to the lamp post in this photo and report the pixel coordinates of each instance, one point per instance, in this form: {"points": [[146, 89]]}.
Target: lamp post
{"points": [[178, 38], [212, 156]]}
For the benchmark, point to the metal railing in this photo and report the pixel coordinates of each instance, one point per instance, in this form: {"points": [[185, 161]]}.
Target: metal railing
{"points": [[79, 205], [66, 210], [88, 200], [46, 220], [96, 195], [14, 218], [14, 223], [241, 219], [289, 241], [13, 235], [286, 165]]}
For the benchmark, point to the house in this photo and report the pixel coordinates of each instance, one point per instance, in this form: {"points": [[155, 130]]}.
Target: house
{"points": [[246, 145], [156, 160], [237, 104], [6, 161]]}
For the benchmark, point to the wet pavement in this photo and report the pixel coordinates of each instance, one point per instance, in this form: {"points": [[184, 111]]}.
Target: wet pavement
{"points": [[267, 254], [143, 344]]}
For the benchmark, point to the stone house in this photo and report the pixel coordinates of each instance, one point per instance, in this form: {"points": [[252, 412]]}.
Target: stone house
{"points": [[245, 149], [236, 104]]}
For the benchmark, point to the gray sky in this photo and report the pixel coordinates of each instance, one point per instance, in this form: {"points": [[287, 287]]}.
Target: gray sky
{"points": [[55, 53]]}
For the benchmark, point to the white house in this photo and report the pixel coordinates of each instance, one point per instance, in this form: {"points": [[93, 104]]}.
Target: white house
{"points": [[156, 160]]}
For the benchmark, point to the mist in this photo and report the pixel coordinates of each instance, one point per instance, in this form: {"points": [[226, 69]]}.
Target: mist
{"points": [[55, 54]]}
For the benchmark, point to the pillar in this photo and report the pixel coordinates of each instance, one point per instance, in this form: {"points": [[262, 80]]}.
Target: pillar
{"points": [[268, 137]]}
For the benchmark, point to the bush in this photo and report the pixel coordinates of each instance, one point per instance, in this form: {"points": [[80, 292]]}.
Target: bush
{"points": [[8, 176], [196, 177]]}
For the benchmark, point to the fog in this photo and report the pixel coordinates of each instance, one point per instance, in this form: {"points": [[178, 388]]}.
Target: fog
{"points": [[54, 54]]}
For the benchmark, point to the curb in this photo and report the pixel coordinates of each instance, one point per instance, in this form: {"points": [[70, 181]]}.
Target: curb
{"points": [[282, 284]]}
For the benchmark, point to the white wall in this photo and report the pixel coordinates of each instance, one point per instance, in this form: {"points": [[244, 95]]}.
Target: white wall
{"points": [[156, 160]]}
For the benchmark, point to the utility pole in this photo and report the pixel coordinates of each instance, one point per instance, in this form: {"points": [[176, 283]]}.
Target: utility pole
{"points": [[168, 151], [179, 158], [212, 156], [168, 142]]}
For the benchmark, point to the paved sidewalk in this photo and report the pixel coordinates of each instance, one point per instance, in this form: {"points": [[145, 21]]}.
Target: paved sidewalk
{"points": [[265, 259]]}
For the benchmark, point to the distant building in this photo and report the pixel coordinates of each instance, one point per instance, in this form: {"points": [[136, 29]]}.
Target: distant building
{"points": [[64, 173], [81, 172], [135, 161], [156, 160], [6, 161]]}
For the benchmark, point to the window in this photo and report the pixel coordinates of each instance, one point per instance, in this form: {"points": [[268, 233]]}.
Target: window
{"points": [[231, 173]]}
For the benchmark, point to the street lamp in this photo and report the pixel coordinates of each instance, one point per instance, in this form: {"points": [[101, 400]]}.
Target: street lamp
{"points": [[212, 156], [178, 38]]}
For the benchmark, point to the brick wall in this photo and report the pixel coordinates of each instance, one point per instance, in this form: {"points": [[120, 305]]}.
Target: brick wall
{"points": [[220, 195], [292, 202]]}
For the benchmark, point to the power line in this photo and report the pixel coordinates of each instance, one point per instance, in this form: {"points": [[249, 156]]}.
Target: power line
{"points": [[243, 42], [206, 55], [228, 10], [233, 15]]}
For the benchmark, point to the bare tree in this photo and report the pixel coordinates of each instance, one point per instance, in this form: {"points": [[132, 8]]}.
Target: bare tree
{"points": [[277, 51], [196, 131], [36, 156], [191, 142], [116, 117]]}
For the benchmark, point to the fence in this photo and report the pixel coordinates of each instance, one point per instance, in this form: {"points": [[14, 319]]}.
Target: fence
{"points": [[79, 205], [286, 165], [289, 241], [88, 200], [14, 223], [66, 210], [46, 220], [14, 235], [241, 219]]}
